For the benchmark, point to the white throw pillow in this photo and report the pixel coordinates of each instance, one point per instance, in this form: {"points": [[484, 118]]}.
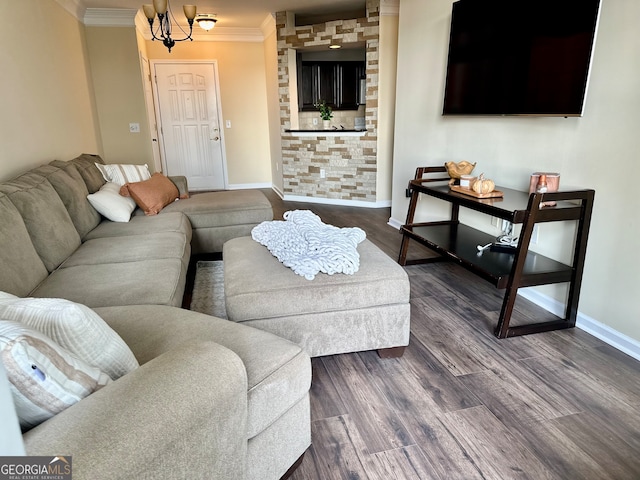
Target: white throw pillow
{"points": [[44, 378], [121, 174], [7, 296], [111, 204], [75, 328]]}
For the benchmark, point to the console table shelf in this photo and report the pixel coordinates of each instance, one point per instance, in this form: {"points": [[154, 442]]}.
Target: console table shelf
{"points": [[521, 268]]}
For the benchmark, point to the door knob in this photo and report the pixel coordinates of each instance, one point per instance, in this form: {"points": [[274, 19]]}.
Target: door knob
{"points": [[215, 139]]}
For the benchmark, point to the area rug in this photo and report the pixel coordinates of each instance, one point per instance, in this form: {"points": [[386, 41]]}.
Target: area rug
{"points": [[208, 289]]}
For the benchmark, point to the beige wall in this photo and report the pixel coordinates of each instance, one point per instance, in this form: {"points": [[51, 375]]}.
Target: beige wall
{"points": [[115, 67], [271, 68], [243, 96], [386, 104], [599, 150], [46, 98]]}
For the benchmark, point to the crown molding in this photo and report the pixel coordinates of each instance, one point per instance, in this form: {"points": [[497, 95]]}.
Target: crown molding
{"points": [[390, 7], [74, 7], [268, 25], [229, 34], [110, 17]]}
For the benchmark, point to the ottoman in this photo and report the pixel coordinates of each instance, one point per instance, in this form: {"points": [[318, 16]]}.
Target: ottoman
{"points": [[328, 315]]}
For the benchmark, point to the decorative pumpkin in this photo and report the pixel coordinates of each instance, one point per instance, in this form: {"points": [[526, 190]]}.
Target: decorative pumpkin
{"points": [[456, 169], [483, 185]]}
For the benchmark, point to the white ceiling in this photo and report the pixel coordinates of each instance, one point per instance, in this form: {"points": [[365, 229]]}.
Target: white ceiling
{"points": [[239, 13]]}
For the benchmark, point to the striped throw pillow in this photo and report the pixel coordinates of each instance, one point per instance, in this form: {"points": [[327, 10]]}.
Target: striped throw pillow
{"points": [[44, 378], [121, 173], [76, 328]]}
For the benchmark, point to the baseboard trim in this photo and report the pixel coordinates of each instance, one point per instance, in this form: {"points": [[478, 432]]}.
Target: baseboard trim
{"points": [[584, 322], [248, 186], [394, 223], [337, 201], [278, 191]]}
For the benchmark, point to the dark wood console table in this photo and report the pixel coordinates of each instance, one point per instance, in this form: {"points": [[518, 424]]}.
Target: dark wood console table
{"points": [[510, 271]]}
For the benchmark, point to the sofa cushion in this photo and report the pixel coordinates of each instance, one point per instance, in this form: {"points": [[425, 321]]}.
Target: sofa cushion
{"points": [[111, 204], [70, 187], [45, 379], [131, 248], [22, 268], [76, 328], [221, 209], [220, 216], [86, 165], [180, 181], [278, 371], [155, 282], [47, 220], [143, 225], [152, 195]]}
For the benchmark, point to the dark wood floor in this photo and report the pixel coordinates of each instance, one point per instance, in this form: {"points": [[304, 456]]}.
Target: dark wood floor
{"points": [[461, 404]]}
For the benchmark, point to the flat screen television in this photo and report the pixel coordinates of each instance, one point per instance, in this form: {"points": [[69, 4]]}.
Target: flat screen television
{"points": [[520, 57]]}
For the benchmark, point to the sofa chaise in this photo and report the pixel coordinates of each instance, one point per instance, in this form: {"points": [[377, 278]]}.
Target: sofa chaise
{"points": [[211, 398]]}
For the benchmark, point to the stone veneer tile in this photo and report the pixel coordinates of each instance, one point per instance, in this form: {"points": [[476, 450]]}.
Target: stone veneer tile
{"points": [[350, 163]]}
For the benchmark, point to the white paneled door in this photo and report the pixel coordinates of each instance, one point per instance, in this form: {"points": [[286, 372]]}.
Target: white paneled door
{"points": [[188, 109]]}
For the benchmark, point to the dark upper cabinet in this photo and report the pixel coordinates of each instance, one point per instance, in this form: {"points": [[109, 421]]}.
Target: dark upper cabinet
{"points": [[349, 75], [338, 83]]}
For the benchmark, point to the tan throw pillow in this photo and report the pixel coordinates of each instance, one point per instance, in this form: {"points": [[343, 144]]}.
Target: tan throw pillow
{"points": [[152, 195], [121, 173], [44, 378], [76, 328]]}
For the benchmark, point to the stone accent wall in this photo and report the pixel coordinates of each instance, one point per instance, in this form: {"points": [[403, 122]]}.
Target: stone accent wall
{"points": [[349, 163]]}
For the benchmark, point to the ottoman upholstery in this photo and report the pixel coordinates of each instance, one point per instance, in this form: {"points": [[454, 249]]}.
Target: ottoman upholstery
{"points": [[328, 315]]}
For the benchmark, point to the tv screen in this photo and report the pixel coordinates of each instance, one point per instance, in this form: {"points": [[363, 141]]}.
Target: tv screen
{"points": [[519, 57]]}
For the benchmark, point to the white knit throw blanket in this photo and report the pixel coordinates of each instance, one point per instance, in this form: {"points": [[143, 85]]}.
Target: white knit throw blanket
{"points": [[308, 246]]}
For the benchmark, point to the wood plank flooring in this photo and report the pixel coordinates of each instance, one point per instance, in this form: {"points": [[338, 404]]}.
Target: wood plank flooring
{"points": [[461, 404]]}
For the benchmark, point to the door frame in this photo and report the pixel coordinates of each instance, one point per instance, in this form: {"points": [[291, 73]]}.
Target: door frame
{"points": [[150, 104], [214, 64]]}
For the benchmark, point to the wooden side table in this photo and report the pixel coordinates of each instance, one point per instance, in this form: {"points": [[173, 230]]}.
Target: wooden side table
{"points": [[457, 242]]}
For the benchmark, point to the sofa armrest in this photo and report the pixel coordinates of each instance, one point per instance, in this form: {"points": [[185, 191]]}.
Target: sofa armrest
{"points": [[181, 415], [180, 182]]}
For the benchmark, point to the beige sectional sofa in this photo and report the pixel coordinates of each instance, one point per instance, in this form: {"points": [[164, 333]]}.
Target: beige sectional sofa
{"points": [[211, 398]]}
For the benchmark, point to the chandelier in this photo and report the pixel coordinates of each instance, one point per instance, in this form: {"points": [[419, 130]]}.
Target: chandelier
{"points": [[162, 9]]}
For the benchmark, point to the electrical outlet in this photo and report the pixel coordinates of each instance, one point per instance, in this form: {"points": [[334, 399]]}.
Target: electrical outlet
{"points": [[134, 128], [323, 174]]}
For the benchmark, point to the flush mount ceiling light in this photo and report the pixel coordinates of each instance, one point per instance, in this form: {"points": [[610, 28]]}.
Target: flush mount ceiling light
{"points": [[162, 8], [334, 46], [206, 21]]}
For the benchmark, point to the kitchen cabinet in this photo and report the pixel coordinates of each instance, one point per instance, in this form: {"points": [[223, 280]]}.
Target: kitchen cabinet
{"points": [[336, 82]]}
